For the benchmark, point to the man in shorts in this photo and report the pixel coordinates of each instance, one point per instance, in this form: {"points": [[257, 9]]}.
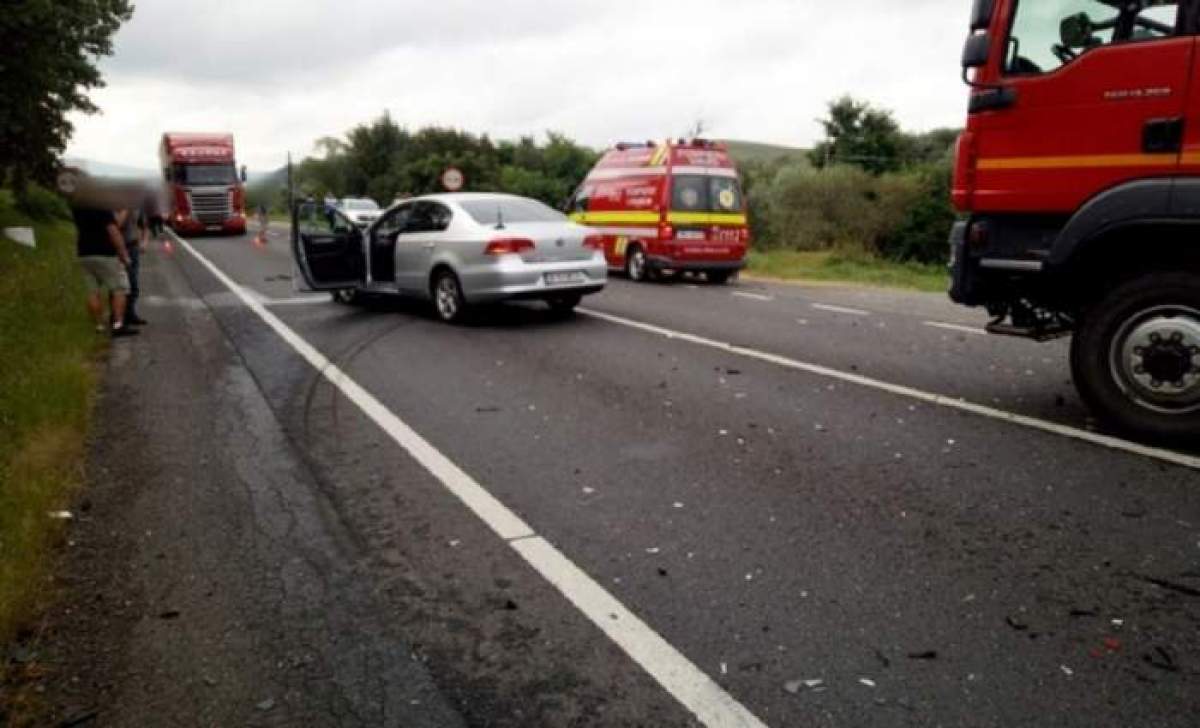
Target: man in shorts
{"points": [[103, 258]]}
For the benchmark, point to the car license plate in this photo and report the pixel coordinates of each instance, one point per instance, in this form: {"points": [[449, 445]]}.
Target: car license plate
{"points": [[213, 228], [559, 278]]}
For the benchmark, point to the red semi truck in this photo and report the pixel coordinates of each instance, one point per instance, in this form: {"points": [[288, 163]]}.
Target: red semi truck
{"points": [[205, 188], [1078, 176]]}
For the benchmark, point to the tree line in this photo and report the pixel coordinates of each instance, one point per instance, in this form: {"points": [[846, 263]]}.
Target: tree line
{"points": [[868, 186]]}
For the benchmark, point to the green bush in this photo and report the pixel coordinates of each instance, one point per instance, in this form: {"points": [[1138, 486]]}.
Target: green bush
{"points": [[921, 233], [41, 204]]}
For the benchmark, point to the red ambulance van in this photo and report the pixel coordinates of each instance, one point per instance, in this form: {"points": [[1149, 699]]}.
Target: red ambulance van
{"points": [[667, 208]]}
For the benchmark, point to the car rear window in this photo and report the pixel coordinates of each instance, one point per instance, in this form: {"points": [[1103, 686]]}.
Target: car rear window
{"points": [[490, 212], [702, 193]]}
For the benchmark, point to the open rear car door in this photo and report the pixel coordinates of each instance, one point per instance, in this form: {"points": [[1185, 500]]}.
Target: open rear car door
{"points": [[328, 247]]}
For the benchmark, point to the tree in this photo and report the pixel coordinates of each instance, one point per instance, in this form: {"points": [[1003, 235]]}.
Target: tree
{"points": [[859, 134], [50, 48]]}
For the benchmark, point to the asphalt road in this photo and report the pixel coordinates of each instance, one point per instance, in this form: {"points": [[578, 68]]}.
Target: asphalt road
{"points": [[826, 553]]}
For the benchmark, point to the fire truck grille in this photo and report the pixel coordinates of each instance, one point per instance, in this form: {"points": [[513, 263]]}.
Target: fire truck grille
{"points": [[210, 208]]}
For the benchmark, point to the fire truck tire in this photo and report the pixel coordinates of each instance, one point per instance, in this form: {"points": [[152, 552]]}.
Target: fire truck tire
{"points": [[719, 277], [637, 269], [1135, 357]]}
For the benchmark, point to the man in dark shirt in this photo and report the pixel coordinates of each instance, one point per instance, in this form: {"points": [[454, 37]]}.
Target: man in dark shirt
{"points": [[103, 258]]}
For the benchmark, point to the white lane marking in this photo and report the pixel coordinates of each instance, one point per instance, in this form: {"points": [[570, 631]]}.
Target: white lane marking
{"points": [[296, 301], [1095, 438], [957, 327], [689, 685], [755, 296], [841, 309]]}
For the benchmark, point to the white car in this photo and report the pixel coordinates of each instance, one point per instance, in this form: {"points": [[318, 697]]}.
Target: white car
{"points": [[361, 211], [456, 250]]}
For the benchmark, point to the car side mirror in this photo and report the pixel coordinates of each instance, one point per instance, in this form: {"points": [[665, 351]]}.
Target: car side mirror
{"points": [[976, 49], [981, 14], [1075, 31]]}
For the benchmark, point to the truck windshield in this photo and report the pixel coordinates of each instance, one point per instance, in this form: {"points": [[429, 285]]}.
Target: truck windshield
{"points": [[702, 193], [205, 174], [506, 210], [1049, 34]]}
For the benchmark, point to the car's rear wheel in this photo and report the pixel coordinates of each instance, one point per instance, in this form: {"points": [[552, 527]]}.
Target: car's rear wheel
{"points": [[1136, 356], [563, 304], [636, 267], [448, 299], [347, 296]]}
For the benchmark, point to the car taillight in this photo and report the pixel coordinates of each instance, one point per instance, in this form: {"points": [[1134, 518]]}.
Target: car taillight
{"points": [[595, 242], [666, 232], [505, 246]]}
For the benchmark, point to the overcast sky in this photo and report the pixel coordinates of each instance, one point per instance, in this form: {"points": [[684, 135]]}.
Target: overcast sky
{"points": [[280, 74]]}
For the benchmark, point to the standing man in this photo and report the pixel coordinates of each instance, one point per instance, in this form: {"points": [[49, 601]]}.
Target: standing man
{"points": [[132, 223], [103, 257]]}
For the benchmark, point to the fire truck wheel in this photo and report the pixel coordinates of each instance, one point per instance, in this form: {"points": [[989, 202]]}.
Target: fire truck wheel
{"points": [[718, 277], [347, 296], [1136, 357], [635, 264]]}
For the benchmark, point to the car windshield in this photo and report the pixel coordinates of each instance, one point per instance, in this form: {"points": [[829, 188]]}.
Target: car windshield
{"points": [[510, 209], [703, 193], [205, 174], [360, 205]]}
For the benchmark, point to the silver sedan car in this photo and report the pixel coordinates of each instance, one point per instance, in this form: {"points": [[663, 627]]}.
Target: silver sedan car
{"points": [[457, 250]]}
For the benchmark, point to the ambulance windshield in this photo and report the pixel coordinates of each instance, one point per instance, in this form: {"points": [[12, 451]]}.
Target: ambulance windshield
{"points": [[702, 193]]}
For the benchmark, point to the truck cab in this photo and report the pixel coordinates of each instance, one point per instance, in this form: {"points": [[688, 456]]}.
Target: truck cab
{"points": [[1078, 180], [206, 190]]}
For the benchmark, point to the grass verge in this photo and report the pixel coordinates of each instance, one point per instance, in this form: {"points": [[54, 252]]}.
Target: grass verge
{"points": [[47, 347], [846, 267]]}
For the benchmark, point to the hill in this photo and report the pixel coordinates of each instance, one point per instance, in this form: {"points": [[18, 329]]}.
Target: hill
{"points": [[744, 151]]}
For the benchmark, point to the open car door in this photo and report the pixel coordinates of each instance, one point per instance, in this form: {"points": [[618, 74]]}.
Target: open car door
{"points": [[328, 247]]}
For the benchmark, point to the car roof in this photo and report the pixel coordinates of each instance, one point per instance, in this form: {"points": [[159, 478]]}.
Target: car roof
{"points": [[470, 197]]}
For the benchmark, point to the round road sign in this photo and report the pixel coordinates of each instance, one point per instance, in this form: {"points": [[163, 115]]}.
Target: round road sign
{"points": [[452, 179]]}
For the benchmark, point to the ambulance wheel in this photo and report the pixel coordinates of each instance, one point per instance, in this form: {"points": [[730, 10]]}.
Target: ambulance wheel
{"points": [[1136, 357], [719, 277], [636, 267]]}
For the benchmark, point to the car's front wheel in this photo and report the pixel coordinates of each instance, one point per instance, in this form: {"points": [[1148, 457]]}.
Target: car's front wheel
{"points": [[563, 304], [347, 296], [448, 299]]}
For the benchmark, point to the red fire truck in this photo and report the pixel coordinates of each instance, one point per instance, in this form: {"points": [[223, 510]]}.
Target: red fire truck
{"points": [[665, 208], [204, 185], [1079, 178]]}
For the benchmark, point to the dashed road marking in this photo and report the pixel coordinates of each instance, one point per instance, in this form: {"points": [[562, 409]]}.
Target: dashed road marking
{"points": [[957, 327], [841, 309], [687, 683], [755, 296], [1095, 438]]}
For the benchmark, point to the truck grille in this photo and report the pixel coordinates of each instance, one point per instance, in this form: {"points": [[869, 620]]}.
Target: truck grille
{"points": [[210, 208]]}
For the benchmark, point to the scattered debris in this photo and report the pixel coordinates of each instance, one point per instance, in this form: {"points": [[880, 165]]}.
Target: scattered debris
{"points": [[724, 669], [266, 705], [1066, 670], [455, 543], [1076, 613], [677, 504], [1163, 661], [86, 716], [510, 605], [61, 515], [926, 655], [662, 571], [1019, 626], [867, 681], [169, 614], [588, 490], [819, 427], [653, 550], [883, 659]]}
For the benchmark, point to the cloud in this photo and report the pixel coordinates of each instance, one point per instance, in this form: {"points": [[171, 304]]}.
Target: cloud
{"points": [[280, 75]]}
